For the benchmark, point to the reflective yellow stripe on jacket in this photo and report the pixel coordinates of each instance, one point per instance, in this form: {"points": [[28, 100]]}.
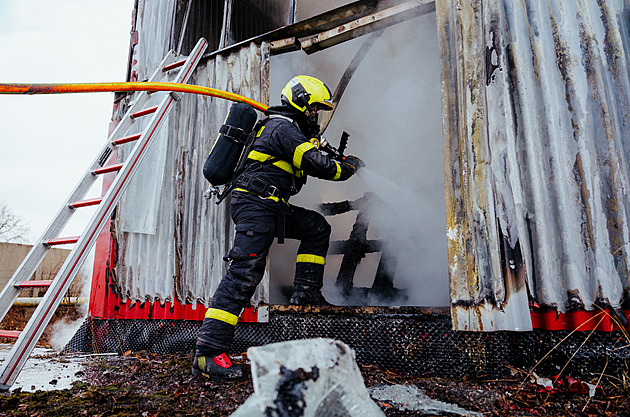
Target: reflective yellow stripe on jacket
{"points": [[215, 313], [262, 157], [313, 259], [299, 153]]}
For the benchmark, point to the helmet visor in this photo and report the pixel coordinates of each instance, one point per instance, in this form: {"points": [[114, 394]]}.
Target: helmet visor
{"points": [[321, 105]]}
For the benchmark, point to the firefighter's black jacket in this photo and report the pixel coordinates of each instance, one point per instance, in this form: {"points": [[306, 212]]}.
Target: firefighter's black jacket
{"points": [[287, 157], [284, 156]]}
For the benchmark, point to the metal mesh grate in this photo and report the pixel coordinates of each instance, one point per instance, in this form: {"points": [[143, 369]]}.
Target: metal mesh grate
{"points": [[419, 344]]}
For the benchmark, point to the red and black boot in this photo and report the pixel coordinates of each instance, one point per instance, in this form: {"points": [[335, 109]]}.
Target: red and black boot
{"points": [[218, 367]]}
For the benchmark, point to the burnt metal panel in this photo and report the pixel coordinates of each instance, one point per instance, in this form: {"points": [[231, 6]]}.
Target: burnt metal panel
{"points": [[368, 24], [535, 123], [323, 22], [206, 231], [153, 25]]}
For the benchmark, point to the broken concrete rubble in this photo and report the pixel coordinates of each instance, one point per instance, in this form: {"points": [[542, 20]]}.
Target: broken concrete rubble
{"points": [[311, 377]]}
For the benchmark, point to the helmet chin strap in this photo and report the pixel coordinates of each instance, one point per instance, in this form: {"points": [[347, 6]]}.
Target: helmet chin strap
{"points": [[311, 121], [310, 114]]}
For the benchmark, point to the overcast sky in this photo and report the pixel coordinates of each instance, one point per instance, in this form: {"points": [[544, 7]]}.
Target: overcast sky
{"points": [[47, 142]]}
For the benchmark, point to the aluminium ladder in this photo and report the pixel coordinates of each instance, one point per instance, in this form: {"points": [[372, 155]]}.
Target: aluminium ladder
{"points": [[57, 288]]}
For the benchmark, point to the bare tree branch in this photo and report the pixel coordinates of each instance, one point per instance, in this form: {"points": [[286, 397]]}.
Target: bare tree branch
{"points": [[12, 227]]}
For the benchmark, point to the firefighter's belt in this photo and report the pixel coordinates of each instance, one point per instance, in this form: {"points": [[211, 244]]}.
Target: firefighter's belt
{"points": [[261, 187], [257, 185]]}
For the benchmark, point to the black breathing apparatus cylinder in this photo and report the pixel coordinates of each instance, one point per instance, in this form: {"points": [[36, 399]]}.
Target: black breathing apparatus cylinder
{"points": [[227, 149]]}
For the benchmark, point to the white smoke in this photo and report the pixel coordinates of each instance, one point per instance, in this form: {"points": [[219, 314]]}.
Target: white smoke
{"points": [[392, 110], [63, 330], [308, 9]]}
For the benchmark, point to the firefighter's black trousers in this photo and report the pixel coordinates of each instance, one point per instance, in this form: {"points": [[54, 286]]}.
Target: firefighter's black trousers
{"points": [[256, 222]]}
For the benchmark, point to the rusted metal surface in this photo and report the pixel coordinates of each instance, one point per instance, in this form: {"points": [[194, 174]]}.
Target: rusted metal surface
{"points": [[535, 120], [331, 19], [284, 45], [361, 310], [367, 24]]}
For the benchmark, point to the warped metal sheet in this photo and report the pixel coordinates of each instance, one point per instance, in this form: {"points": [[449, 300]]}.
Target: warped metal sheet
{"points": [[153, 27], [535, 115], [171, 247], [204, 230]]}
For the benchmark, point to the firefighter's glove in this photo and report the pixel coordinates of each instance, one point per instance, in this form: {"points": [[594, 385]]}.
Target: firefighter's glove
{"points": [[353, 162]]}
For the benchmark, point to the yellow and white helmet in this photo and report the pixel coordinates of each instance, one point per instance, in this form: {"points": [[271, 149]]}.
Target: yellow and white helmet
{"points": [[304, 91]]}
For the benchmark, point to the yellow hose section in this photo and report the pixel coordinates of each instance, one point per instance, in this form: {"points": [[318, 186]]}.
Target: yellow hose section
{"points": [[126, 86]]}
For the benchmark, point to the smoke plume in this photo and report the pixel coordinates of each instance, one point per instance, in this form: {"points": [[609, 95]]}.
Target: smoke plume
{"points": [[64, 329], [392, 110]]}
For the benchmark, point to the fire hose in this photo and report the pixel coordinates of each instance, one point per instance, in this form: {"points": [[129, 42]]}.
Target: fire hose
{"points": [[126, 86], [31, 89]]}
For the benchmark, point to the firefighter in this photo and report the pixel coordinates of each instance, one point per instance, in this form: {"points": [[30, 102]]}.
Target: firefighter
{"points": [[276, 168]]}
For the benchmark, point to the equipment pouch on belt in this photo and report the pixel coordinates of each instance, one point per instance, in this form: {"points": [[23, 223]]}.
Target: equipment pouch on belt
{"points": [[257, 185]]}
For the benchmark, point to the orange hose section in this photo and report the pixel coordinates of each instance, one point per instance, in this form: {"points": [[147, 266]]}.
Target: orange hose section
{"points": [[127, 86]]}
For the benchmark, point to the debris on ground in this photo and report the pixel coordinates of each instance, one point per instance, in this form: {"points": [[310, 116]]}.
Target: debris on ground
{"points": [[409, 397], [309, 377], [141, 383]]}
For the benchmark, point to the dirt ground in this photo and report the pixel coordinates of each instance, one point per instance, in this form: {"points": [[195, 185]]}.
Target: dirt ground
{"points": [[146, 384]]}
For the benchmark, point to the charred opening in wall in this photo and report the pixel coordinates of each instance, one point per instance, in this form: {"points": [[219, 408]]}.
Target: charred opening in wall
{"points": [[195, 19], [357, 246], [225, 22], [389, 222], [255, 17]]}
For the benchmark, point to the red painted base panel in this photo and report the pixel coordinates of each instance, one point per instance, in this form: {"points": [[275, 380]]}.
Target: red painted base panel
{"points": [[599, 320]]}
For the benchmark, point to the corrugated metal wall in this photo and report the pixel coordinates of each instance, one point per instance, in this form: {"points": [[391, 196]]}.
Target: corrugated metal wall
{"points": [[536, 112], [535, 102], [172, 240]]}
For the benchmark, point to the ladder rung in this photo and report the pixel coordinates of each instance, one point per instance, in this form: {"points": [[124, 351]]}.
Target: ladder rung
{"points": [[110, 168], [173, 65], [34, 283], [126, 139], [61, 241], [144, 112], [11, 334], [86, 203]]}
